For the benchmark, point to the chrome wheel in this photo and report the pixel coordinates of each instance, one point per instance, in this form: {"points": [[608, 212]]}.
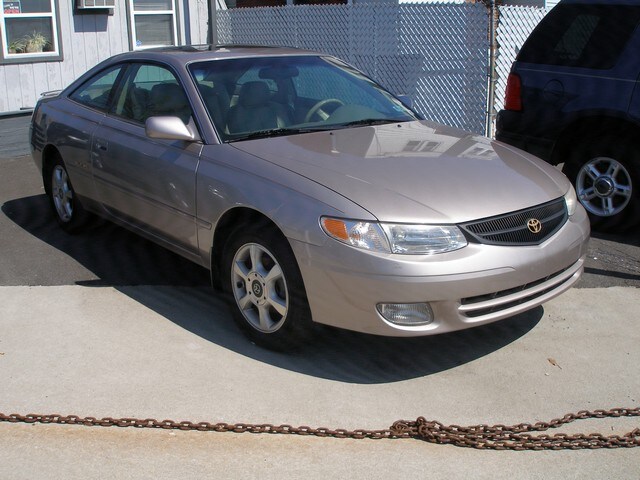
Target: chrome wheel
{"points": [[62, 194], [604, 186], [259, 288]]}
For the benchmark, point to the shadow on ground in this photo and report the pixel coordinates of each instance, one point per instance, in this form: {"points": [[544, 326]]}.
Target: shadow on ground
{"points": [[113, 254], [179, 291], [332, 353]]}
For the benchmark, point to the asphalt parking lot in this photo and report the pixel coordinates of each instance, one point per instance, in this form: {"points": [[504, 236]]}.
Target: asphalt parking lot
{"points": [[106, 324]]}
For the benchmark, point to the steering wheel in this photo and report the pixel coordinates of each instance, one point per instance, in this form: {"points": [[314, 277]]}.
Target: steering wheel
{"points": [[318, 109]]}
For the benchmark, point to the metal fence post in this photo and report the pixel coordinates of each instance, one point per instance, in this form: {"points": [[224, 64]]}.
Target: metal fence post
{"points": [[212, 34], [493, 51]]}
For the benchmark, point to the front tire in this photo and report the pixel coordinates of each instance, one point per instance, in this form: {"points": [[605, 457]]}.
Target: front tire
{"points": [[606, 176], [265, 288]]}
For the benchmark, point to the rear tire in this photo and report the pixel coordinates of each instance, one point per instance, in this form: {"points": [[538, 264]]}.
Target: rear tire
{"points": [[606, 176], [66, 206], [265, 288]]}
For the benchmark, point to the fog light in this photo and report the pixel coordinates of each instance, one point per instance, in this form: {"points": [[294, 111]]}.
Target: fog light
{"points": [[406, 314]]}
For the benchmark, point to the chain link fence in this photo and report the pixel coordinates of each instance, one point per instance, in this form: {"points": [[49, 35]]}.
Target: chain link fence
{"points": [[514, 26], [435, 53], [438, 54]]}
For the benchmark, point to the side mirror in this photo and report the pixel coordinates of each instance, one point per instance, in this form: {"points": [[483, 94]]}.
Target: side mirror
{"points": [[170, 128]]}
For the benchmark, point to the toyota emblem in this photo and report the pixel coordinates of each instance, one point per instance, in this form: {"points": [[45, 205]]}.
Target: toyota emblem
{"points": [[534, 225]]}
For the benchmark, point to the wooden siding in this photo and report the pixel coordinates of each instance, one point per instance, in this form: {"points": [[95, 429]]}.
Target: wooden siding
{"points": [[198, 19], [86, 40]]}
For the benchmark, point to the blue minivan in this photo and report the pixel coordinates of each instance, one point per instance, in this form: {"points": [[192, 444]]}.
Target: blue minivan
{"points": [[573, 98]]}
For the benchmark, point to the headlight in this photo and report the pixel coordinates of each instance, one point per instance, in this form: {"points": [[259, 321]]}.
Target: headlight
{"points": [[424, 239], [406, 239], [571, 200]]}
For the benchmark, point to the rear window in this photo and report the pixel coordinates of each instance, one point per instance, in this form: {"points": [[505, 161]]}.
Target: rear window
{"points": [[587, 36]]}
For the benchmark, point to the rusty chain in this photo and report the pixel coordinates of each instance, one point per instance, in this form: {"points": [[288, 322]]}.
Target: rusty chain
{"points": [[496, 437]]}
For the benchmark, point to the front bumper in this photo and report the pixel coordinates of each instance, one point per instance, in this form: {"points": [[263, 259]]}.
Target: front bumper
{"points": [[476, 285]]}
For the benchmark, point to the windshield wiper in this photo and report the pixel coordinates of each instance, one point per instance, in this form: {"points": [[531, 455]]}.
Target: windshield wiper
{"points": [[275, 132], [279, 132], [370, 121]]}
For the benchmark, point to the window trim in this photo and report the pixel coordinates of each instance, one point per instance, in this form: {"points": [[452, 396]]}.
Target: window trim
{"points": [[56, 55], [132, 24]]}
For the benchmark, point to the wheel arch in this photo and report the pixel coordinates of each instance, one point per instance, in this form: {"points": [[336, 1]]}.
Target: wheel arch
{"points": [[49, 154], [591, 127], [230, 221], [612, 137]]}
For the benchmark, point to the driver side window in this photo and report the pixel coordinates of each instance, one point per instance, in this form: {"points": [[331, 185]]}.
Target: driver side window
{"points": [[151, 90], [97, 92]]}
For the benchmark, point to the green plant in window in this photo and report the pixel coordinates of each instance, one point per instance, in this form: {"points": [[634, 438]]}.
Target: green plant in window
{"points": [[17, 46], [35, 42]]}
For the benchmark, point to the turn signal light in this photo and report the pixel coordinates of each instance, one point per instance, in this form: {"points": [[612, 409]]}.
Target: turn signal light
{"points": [[336, 228]]}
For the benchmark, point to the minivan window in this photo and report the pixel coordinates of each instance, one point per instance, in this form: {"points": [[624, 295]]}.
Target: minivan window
{"points": [[586, 36]]}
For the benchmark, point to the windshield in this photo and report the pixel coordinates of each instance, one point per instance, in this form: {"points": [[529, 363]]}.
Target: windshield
{"points": [[271, 96]]}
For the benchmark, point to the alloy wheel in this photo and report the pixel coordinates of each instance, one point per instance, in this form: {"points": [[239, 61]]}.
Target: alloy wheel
{"points": [[259, 288], [604, 186], [62, 193]]}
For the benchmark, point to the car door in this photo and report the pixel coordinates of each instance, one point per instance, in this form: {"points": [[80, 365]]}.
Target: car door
{"points": [[79, 121], [148, 183]]}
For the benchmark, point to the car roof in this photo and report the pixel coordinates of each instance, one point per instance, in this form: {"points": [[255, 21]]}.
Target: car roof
{"points": [[190, 53]]}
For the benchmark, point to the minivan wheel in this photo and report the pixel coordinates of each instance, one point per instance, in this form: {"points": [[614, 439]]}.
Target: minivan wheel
{"points": [[265, 289], [63, 199], [606, 177]]}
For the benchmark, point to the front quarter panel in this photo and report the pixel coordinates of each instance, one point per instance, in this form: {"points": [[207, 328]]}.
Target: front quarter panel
{"points": [[229, 178]]}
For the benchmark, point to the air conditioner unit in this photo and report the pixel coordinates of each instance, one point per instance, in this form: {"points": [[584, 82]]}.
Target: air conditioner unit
{"points": [[93, 4]]}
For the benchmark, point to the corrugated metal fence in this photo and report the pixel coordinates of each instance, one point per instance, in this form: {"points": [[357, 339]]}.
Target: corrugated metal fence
{"points": [[438, 54]]}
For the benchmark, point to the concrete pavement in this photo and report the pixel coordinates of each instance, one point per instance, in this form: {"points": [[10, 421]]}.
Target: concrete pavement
{"points": [[173, 352], [13, 136]]}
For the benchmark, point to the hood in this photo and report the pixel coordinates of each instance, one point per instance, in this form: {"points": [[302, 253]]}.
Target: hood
{"points": [[416, 172]]}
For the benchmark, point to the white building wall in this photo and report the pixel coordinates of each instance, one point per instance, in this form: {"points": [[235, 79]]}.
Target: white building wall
{"points": [[198, 22], [86, 40]]}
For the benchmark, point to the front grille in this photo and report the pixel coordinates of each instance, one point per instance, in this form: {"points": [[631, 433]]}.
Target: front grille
{"points": [[514, 228]]}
